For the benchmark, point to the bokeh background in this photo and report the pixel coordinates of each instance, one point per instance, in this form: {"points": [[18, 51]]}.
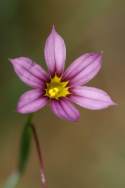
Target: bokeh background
{"points": [[90, 153]]}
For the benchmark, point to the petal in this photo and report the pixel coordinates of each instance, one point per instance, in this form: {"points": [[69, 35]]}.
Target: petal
{"points": [[55, 52], [31, 101], [91, 98], [64, 109], [84, 68], [29, 72]]}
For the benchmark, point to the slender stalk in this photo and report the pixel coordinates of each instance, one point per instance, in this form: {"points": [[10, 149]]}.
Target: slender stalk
{"points": [[42, 169]]}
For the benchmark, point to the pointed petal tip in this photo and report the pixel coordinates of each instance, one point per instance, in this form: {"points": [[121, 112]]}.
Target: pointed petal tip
{"points": [[76, 120], [98, 52], [11, 60], [114, 103], [19, 110], [97, 55], [14, 60], [53, 29], [111, 104]]}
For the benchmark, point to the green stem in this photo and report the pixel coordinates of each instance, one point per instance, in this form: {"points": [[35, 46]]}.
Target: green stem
{"points": [[25, 145], [40, 157]]}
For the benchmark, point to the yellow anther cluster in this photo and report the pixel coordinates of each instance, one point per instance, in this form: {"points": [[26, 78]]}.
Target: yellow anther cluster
{"points": [[57, 88], [53, 91]]}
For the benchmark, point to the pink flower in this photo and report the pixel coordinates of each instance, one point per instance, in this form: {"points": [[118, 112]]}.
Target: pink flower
{"points": [[58, 87]]}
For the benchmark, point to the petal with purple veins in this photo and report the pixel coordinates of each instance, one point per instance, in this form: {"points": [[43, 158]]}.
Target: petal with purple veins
{"points": [[64, 109], [31, 101], [29, 72], [58, 111], [55, 52], [91, 98], [83, 69]]}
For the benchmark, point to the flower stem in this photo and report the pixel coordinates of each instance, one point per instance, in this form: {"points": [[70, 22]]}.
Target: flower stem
{"points": [[42, 169]]}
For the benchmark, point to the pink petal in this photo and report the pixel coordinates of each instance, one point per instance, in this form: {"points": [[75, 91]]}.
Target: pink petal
{"points": [[31, 101], [91, 98], [84, 68], [65, 110], [55, 52], [29, 72]]}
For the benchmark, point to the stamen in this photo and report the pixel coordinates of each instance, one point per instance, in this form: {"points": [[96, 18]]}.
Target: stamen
{"points": [[57, 88], [53, 91]]}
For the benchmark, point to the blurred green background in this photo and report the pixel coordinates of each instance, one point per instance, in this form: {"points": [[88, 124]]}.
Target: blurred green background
{"points": [[90, 153]]}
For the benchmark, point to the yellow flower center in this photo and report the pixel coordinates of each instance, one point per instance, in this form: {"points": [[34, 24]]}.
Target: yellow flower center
{"points": [[57, 88]]}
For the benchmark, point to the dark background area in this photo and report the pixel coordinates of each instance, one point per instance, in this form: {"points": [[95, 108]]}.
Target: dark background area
{"points": [[90, 153]]}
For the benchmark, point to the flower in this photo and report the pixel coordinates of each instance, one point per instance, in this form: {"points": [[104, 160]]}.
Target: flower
{"points": [[58, 87]]}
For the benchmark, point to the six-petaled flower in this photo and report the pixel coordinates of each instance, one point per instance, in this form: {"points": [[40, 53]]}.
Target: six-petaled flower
{"points": [[61, 88]]}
